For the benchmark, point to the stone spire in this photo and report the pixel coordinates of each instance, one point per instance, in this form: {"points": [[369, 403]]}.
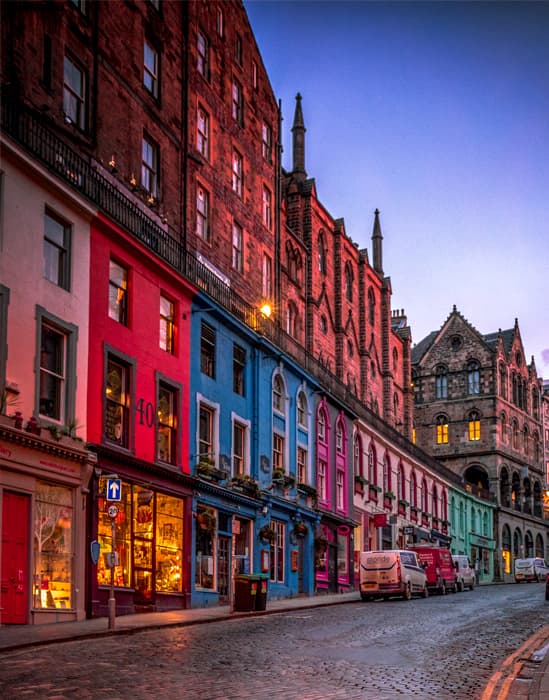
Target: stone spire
{"points": [[377, 247], [298, 139]]}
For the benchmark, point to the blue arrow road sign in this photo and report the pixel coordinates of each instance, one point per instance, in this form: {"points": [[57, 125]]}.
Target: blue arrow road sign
{"points": [[114, 490]]}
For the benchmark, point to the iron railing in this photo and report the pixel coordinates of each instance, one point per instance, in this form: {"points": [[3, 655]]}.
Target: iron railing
{"points": [[38, 139]]}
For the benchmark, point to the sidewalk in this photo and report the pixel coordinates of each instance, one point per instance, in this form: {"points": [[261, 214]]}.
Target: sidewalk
{"points": [[523, 676]]}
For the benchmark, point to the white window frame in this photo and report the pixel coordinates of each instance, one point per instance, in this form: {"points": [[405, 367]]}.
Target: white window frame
{"points": [[214, 407], [150, 68], [203, 214], [203, 132], [74, 96], [237, 420], [237, 247], [149, 165]]}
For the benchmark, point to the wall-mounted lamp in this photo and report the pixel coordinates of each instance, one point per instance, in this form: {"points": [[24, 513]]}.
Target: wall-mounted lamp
{"points": [[264, 510], [112, 165], [266, 310], [133, 181]]}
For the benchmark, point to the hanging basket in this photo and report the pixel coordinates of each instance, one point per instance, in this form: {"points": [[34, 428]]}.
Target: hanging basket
{"points": [[206, 521], [301, 529], [267, 534]]}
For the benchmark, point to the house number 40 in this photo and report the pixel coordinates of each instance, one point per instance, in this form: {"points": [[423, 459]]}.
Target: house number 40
{"points": [[146, 413]]}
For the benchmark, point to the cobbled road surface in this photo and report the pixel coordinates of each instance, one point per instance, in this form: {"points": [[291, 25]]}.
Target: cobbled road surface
{"points": [[438, 648]]}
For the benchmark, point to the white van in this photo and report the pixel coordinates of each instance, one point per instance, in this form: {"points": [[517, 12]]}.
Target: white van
{"points": [[531, 569], [464, 572], [391, 572]]}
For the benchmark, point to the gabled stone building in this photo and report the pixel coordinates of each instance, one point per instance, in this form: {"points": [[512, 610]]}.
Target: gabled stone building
{"points": [[478, 411]]}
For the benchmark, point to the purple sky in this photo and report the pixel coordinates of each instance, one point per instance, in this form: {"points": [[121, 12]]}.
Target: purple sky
{"points": [[437, 114]]}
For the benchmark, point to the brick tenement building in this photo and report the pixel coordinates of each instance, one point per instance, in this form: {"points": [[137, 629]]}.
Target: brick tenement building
{"points": [[478, 410], [335, 303]]}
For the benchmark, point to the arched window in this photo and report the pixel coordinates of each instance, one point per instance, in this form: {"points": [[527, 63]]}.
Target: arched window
{"points": [[517, 543], [515, 431], [441, 382], [387, 476], [339, 437], [372, 466], [424, 497], [349, 280], [535, 403], [357, 456], [505, 488], [302, 410], [474, 426], [535, 440], [506, 549], [444, 512], [278, 394], [503, 423], [321, 253], [395, 407], [291, 320], [413, 490], [525, 440], [321, 426], [442, 429], [401, 484], [395, 359], [371, 306], [473, 378], [502, 381], [514, 384], [435, 501]]}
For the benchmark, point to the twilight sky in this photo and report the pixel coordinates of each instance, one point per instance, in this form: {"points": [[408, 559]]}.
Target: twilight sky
{"points": [[437, 114]]}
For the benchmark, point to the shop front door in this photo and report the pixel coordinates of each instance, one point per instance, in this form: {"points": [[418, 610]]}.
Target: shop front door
{"points": [[14, 586], [332, 568], [223, 557]]}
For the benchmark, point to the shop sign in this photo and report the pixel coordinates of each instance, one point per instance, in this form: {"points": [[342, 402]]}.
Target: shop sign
{"points": [[380, 519]]}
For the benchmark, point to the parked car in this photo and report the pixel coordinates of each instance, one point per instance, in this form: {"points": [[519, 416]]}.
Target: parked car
{"points": [[464, 572], [439, 567], [530, 569], [391, 572]]}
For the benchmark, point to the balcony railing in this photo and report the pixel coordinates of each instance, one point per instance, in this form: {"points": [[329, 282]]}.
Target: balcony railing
{"points": [[56, 155]]}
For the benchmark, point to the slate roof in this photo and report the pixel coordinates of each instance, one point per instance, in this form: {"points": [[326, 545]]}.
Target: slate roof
{"points": [[507, 336], [421, 348]]}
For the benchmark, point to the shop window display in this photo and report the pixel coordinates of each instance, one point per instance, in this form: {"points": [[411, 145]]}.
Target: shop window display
{"points": [[53, 553], [169, 535], [122, 537], [205, 547]]}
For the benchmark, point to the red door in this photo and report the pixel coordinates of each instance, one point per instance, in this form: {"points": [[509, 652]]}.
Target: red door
{"points": [[14, 585]]}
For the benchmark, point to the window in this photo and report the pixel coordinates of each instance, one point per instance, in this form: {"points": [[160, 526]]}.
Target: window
{"points": [[203, 55], [166, 325], [278, 452], [166, 435], [237, 109], [503, 421], [424, 497], [371, 307], [150, 69], [207, 350], [239, 448], [372, 466], [442, 430], [278, 394], [535, 404], [267, 277], [238, 49], [434, 500], [339, 438], [237, 248], [323, 325], [53, 367], [219, 23], [239, 366], [401, 483], [413, 490], [277, 553], [387, 476], [203, 214], [203, 133], [473, 378], [441, 383], [515, 431], [348, 282], [321, 426], [149, 166], [206, 431], [503, 381], [53, 540], [302, 410], [321, 254], [267, 143], [74, 86], [80, 5], [340, 489], [321, 480], [57, 237], [117, 402], [301, 465], [118, 293], [291, 320], [267, 208], [357, 456], [205, 546], [238, 170], [474, 426]]}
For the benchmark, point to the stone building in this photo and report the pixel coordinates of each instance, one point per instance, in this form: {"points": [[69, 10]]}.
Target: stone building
{"points": [[478, 411]]}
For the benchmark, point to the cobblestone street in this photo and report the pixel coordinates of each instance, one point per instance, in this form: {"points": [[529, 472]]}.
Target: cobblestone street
{"points": [[442, 647]]}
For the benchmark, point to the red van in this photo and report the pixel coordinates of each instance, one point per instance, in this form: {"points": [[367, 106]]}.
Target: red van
{"points": [[439, 567]]}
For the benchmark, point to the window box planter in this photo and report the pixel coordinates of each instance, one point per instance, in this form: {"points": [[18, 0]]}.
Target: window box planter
{"points": [[208, 471], [309, 493], [361, 481], [280, 478], [245, 484]]}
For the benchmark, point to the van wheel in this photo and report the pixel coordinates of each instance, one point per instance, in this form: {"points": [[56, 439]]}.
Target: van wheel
{"points": [[407, 592], [425, 592]]}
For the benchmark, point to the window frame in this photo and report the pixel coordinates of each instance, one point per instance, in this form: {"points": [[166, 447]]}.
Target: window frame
{"points": [[237, 102], [128, 420], [203, 227], [203, 54], [442, 432], [474, 432], [167, 321], [175, 391], [151, 74], [239, 370], [267, 276], [208, 349], [441, 382], [237, 247], [150, 166], [61, 252], [242, 427], [267, 207], [203, 132], [279, 451], [278, 553], [237, 170], [118, 310], [267, 142], [71, 92]]}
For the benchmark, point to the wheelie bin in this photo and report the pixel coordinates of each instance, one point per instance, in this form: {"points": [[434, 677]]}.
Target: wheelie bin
{"points": [[261, 595], [245, 592]]}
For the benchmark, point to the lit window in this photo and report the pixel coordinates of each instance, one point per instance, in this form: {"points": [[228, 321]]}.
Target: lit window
{"points": [[166, 325], [57, 251], [53, 363], [278, 452], [267, 143], [267, 276], [442, 430], [166, 447], [474, 426], [267, 208], [441, 383], [237, 248], [207, 350], [277, 553], [74, 86], [150, 69], [118, 292], [237, 109], [149, 167], [301, 465], [239, 447], [203, 214], [278, 394], [117, 402], [239, 367], [238, 171], [202, 57], [203, 133]]}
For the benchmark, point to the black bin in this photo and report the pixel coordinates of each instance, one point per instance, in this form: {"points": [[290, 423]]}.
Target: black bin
{"points": [[245, 592], [261, 595]]}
